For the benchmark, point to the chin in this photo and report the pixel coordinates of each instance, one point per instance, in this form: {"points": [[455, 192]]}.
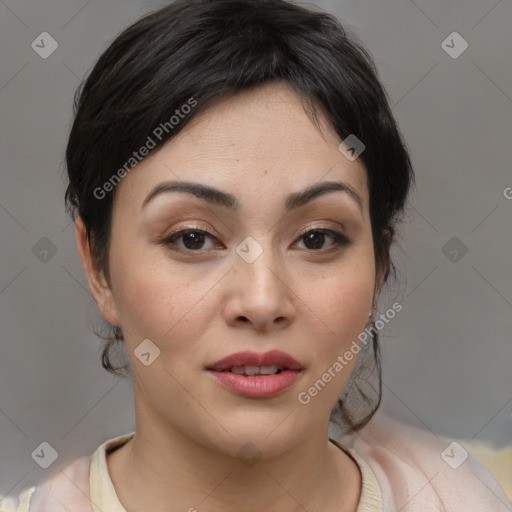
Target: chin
{"points": [[264, 435]]}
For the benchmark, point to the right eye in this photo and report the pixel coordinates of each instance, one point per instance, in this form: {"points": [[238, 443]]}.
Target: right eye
{"points": [[193, 239]]}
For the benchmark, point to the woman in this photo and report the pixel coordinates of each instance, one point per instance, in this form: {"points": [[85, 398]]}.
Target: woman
{"points": [[236, 177]]}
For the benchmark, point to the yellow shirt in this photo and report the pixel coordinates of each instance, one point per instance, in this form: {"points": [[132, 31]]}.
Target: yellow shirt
{"points": [[104, 497]]}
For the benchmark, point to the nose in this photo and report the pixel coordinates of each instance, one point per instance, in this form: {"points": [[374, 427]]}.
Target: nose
{"points": [[260, 294]]}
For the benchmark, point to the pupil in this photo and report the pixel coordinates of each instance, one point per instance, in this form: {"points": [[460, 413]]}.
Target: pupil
{"points": [[315, 238], [195, 238]]}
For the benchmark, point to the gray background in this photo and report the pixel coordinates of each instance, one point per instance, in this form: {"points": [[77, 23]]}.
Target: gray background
{"points": [[446, 357]]}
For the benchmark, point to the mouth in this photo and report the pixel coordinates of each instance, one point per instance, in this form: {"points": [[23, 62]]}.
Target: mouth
{"points": [[254, 375], [253, 363], [255, 371]]}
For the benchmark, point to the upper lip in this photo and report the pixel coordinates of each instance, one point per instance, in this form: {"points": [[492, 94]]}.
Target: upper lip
{"points": [[271, 358]]}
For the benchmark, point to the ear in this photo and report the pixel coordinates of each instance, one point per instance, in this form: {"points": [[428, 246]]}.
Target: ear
{"points": [[97, 283]]}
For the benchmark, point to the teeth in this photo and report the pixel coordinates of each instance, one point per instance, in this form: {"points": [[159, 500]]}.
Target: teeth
{"points": [[250, 371], [268, 370]]}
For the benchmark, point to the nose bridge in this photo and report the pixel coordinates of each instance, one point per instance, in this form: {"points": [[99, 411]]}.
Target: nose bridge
{"points": [[261, 294], [257, 261]]}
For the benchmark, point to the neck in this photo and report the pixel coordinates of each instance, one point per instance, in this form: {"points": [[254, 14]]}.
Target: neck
{"points": [[162, 467]]}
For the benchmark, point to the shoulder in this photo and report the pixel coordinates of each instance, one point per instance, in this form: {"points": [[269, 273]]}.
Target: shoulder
{"points": [[418, 469], [17, 503], [67, 490]]}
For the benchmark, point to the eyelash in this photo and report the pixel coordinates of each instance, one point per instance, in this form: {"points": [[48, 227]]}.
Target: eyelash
{"points": [[340, 240]]}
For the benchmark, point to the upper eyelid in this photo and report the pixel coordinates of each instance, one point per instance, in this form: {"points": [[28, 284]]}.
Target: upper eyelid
{"points": [[208, 232]]}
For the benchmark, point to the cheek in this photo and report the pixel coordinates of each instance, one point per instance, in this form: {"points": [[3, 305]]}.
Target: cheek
{"points": [[341, 298], [158, 305], [342, 316], [340, 301], [341, 306], [346, 303]]}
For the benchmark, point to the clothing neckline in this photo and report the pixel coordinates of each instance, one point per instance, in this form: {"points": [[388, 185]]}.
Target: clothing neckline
{"points": [[104, 496]]}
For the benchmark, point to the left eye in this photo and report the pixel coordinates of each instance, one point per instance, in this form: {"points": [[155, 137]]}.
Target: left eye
{"points": [[316, 238], [194, 239]]}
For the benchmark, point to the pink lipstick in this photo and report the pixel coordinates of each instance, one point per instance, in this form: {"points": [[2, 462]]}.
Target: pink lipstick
{"points": [[256, 375]]}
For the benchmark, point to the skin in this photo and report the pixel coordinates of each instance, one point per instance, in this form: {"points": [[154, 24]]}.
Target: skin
{"points": [[206, 302]]}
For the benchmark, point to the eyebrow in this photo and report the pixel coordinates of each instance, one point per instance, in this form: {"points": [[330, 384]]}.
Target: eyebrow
{"points": [[229, 201]]}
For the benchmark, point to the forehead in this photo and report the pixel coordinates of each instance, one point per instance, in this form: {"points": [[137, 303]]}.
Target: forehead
{"points": [[257, 141]]}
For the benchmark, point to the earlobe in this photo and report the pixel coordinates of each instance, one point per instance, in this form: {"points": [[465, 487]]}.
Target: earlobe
{"points": [[98, 285]]}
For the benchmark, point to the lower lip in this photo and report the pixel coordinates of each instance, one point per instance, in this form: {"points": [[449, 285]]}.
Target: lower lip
{"points": [[257, 387]]}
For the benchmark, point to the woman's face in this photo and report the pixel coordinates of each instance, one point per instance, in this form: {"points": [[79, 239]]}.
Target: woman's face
{"points": [[243, 279]]}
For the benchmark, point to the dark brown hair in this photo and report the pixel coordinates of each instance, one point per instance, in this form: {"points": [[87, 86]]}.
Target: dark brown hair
{"points": [[209, 50]]}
